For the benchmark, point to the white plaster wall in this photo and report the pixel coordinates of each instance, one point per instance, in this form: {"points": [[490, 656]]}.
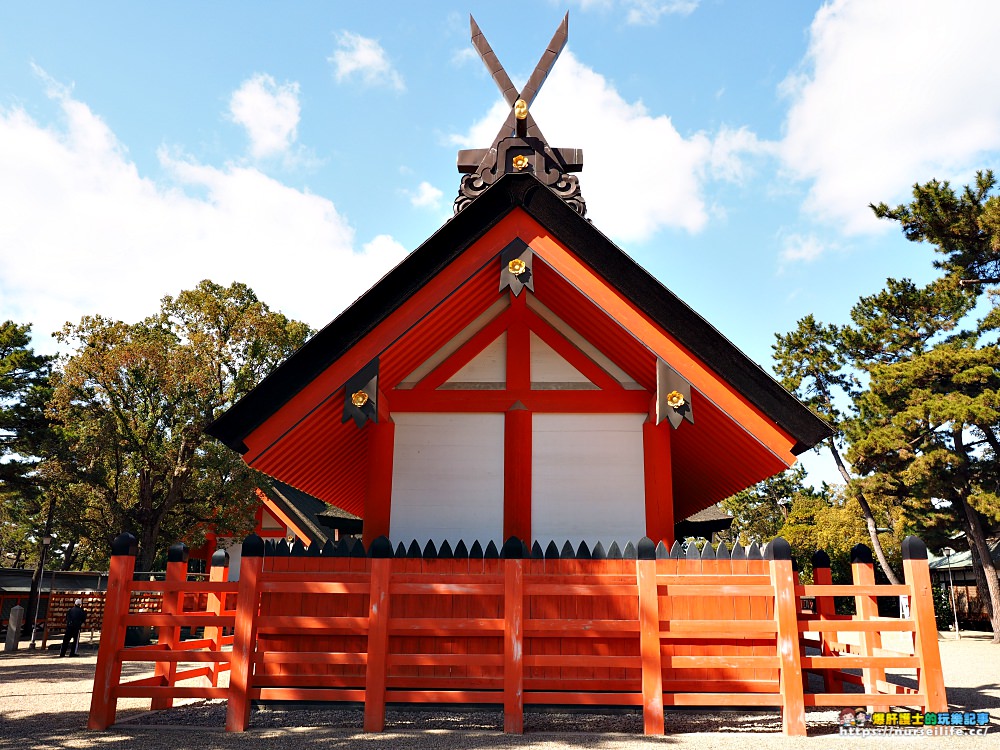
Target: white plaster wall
{"points": [[587, 481], [447, 478]]}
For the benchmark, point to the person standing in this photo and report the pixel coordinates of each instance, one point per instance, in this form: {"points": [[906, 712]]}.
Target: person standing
{"points": [[75, 618]]}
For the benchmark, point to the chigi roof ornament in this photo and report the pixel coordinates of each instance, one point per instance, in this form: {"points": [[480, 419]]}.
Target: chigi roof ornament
{"points": [[520, 146]]}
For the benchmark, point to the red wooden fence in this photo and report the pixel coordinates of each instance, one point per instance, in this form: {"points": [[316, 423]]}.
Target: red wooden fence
{"points": [[660, 630]]}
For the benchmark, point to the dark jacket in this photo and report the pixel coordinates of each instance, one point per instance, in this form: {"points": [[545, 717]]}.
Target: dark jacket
{"points": [[76, 616]]}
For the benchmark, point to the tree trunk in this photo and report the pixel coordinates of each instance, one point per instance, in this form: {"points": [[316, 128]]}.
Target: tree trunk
{"points": [[36, 577], [869, 518], [977, 539]]}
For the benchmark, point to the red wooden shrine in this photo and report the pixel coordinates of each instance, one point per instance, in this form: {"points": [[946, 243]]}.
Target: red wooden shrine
{"points": [[519, 414]]}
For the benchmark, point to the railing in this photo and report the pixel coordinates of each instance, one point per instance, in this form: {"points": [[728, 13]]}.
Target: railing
{"points": [[646, 627]]}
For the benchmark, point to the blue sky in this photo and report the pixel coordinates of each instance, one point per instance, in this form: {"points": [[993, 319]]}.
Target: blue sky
{"points": [[730, 147]]}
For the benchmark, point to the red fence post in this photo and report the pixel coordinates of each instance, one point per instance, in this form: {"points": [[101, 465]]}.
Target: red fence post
{"points": [[793, 710], [244, 639], [825, 608], [378, 640], [925, 637], [863, 574], [104, 700], [513, 646], [218, 573], [649, 639], [169, 636]]}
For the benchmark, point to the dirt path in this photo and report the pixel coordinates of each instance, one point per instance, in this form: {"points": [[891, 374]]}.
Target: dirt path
{"points": [[44, 701]]}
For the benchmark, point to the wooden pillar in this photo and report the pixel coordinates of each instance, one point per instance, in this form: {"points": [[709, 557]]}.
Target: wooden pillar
{"points": [[245, 637], [378, 644], [517, 473], [925, 636], [863, 574], [793, 710], [218, 573], [104, 700], [513, 648], [169, 636], [649, 640], [378, 496], [659, 481], [825, 609]]}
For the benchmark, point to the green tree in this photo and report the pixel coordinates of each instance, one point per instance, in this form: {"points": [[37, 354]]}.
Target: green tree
{"points": [[134, 400], [759, 512], [812, 362]]}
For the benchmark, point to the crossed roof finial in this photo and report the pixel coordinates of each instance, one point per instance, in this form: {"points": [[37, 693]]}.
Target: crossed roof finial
{"points": [[519, 145]]}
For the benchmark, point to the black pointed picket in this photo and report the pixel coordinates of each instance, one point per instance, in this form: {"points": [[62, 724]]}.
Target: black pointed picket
{"points": [[629, 552], [820, 559], [445, 553], [298, 549], [342, 548], [491, 553], [662, 553], [598, 553], [476, 551], [512, 549], [567, 553], [461, 551], [738, 553], [646, 550], [430, 550], [693, 553], [707, 552], [677, 550], [753, 553], [551, 551], [281, 550], [314, 549], [269, 548], [400, 550], [537, 553], [327, 550], [722, 552], [614, 551], [583, 551], [358, 550], [381, 547], [414, 550]]}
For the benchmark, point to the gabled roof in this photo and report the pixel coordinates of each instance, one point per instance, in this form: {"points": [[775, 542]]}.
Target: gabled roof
{"points": [[583, 240]]}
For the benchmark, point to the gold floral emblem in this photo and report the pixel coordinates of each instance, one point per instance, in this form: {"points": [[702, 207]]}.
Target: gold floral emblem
{"points": [[520, 162], [359, 399], [675, 399], [521, 109], [517, 266]]}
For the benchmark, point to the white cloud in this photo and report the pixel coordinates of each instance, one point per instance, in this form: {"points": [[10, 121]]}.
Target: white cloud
{"points": [[642, 12], [426, 196], [800, 248], [639, 174], [645, 12], [890, 94], [269, 112], [359, 57], [85, 233], [464, 56]]}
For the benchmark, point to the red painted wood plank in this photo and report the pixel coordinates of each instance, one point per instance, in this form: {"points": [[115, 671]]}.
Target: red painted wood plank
{"points": [[378, 644], [244, 643], [517, 474], [649, 644], [103, 702], [513, 676], [793, 715], [925, 638]]}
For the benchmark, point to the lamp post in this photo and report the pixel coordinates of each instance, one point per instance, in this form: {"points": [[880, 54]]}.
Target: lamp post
{"points": [[46, 541], [948, 552]]}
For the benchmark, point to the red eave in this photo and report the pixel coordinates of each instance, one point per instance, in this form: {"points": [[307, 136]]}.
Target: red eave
{"points": [[731, 445]]}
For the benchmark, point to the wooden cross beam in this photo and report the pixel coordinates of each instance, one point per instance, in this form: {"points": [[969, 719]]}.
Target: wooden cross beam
{"points": [[519, 121]]}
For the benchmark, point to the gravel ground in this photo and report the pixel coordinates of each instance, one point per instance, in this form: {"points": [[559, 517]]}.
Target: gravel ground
{"points": [[44, 701]]}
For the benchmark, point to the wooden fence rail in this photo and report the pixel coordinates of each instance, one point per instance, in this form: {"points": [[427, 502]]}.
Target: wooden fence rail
{"points": [[645, 627]]}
